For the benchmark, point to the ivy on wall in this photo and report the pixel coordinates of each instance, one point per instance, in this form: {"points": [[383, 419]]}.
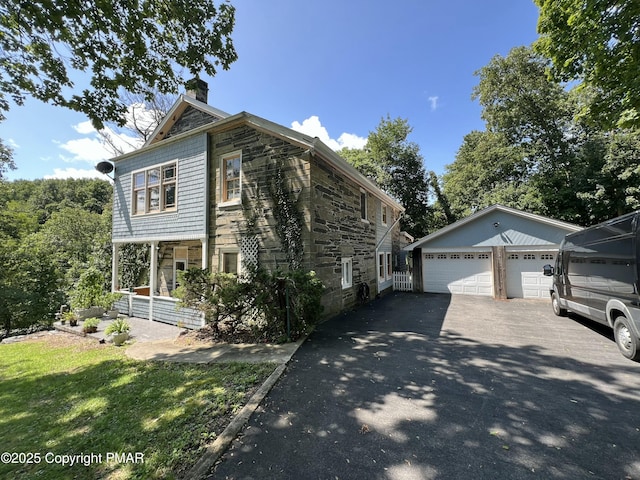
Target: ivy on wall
{"points": [[288, 216]]}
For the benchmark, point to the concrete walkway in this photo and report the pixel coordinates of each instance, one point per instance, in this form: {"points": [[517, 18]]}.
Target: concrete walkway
{"points": [[157, 341], [169, 351]]}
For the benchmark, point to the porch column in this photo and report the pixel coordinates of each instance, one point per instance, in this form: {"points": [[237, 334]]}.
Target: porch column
{"points": [[115, 250], [153, 276], [205, 253]]}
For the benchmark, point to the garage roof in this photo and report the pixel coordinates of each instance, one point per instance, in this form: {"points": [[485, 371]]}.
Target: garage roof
{"points": [[498, 225]]}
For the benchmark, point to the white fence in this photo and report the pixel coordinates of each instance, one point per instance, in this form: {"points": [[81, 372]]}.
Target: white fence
{"points": [[402, 281]]}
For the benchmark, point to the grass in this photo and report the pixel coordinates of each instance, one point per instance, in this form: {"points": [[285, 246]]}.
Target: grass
{"points": [[60, 397]]}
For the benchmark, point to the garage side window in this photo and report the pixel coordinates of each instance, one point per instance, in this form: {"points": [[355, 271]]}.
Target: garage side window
{"points": [[347, 272]]}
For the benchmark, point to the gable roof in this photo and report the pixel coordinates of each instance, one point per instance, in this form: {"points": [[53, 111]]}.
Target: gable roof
{"points": [[222, 121], [176, 111], [450, 230]]}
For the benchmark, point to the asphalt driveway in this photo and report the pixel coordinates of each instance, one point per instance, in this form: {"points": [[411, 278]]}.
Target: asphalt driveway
{"points": [[418, 386]]}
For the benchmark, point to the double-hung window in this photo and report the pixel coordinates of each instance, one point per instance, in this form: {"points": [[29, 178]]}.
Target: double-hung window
{"points": [[231, 166], [154, 189]]}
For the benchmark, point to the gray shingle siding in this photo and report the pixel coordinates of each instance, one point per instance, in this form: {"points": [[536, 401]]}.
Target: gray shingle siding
{"points": [[189, 218], [164, 310]]}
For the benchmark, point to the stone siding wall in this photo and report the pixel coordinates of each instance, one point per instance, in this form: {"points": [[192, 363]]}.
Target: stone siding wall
{"points": [[191, 118], [262, 154], [338, 231]]}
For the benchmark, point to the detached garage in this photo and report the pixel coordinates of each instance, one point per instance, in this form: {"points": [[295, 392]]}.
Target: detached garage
{"points": [[498, 251]]}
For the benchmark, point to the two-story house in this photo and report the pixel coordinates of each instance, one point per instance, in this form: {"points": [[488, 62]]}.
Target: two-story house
{"points": [[200, 193]]}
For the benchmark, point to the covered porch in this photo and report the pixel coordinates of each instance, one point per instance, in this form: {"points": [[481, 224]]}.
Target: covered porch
{"points": [[152, 299]]}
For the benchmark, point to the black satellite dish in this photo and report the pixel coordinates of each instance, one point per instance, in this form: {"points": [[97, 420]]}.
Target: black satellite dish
{"points": [[105, 167]]}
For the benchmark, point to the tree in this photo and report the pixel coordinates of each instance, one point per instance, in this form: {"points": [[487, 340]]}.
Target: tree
{"points": [[396, 165], [615, 177], [29, 286], [139, 46], [597, 43], [141, 120], [488, 169], [519, 101], [6, 159]]}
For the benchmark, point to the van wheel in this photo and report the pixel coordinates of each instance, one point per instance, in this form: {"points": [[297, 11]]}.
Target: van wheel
{"points": [[557, 309], [625, 339]]}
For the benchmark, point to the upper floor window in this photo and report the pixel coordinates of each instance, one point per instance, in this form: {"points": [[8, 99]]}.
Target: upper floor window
{"points": [[231, 166], [363, 205], [154, 189], [384, 214]]}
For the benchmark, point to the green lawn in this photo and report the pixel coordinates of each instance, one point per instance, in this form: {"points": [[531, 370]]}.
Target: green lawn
{"points": [[80, 398]]}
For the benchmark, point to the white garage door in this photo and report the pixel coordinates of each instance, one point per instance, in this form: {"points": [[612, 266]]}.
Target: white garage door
{"points": [[461, 273], [524, 274]]}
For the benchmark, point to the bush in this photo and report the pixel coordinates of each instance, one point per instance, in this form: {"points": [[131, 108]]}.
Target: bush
{"points": [[88, 291], [255, 305]]}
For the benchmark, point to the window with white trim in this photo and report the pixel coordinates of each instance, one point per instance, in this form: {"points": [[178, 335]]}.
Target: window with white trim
{"points": [[381, 267], [180, 263], [154, 189], [383, 214], [231, 177], [363, 204], [230, 262], [389, 265], [347, 272]]}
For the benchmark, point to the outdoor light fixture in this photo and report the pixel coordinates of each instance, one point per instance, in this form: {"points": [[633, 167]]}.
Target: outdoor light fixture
{"points": [[105, 168], [496, 224]]}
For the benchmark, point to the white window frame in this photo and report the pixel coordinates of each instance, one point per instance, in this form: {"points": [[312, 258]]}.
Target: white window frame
{"points": [[389, 265], [384, 212], [225, 251], [364, 212], [180, 254], [347, 272], [381, 267], [163, 182], [224, 200]]}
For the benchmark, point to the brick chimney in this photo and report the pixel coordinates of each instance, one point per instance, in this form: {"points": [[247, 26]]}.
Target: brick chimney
{"points": [[198, 89]]}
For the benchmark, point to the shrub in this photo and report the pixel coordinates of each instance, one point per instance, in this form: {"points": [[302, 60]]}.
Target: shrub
{"points": [[257, 304], [88, 291]]}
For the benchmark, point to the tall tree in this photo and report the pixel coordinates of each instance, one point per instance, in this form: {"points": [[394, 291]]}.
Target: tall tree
{"points": [[142, 47], [597, 43], [489, 169], [6, 159]]}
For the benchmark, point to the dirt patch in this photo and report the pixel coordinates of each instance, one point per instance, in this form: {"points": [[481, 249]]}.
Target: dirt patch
{"points": [[207, 335], [58, 340]]}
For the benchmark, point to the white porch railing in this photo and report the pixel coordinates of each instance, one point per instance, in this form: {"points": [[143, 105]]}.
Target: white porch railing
{"points": [[403, 281]]}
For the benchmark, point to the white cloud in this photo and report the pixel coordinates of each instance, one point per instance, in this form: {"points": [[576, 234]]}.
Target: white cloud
{"points": [[74, 173], [433, 101], [91, 147], [84, 128], [87, 149], [11, 143], [314, 128]]}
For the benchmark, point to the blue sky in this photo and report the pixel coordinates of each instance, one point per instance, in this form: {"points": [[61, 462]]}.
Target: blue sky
{"points": [[331, 68]]}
